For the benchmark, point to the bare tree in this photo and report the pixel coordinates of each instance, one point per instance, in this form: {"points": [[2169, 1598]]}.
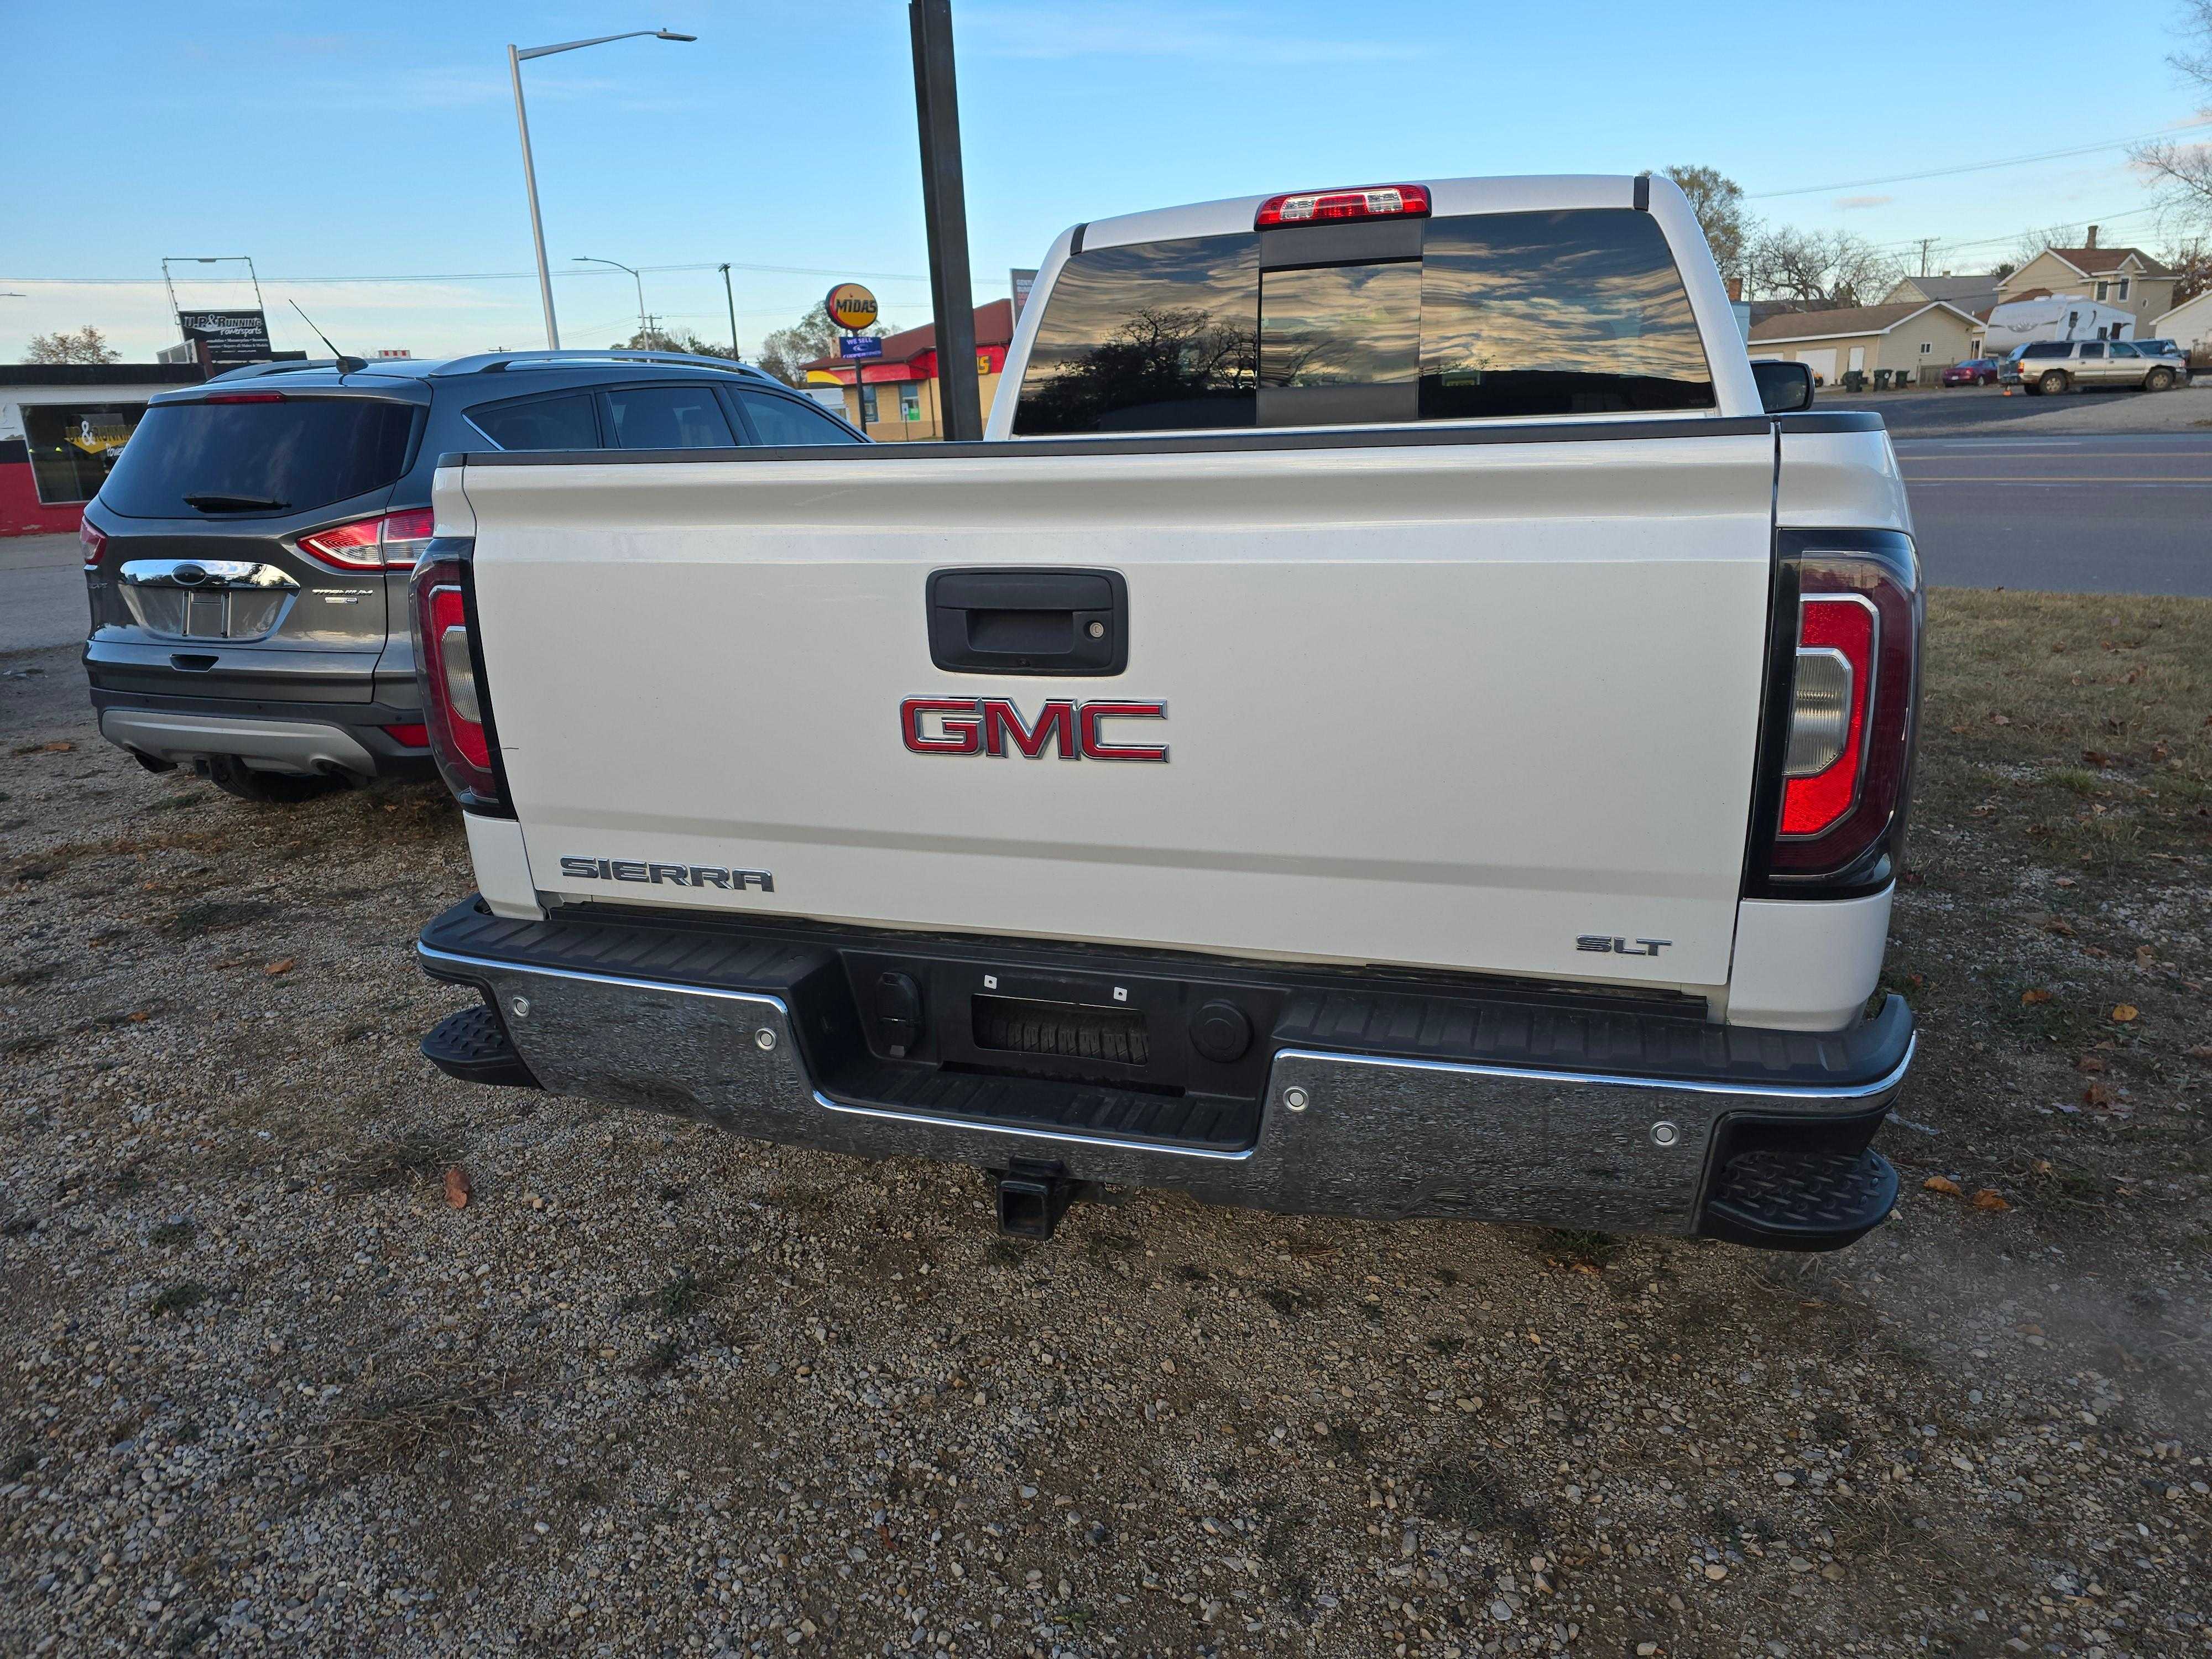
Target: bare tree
{"points": [[2190, 261], [683, 340], [87, 345], [1818, 270], [812, 336], [1717, 200], [2185, 171], [2033, 244]]}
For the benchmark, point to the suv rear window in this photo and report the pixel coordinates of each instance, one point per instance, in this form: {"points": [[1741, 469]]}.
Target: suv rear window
{"points": [[290, 456], [1505, 314], [2047, 349]]}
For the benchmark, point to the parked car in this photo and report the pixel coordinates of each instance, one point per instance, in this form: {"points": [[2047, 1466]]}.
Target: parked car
{"points": [[1357, 742], [2046, 367], [1975, 371], [248, 558]]}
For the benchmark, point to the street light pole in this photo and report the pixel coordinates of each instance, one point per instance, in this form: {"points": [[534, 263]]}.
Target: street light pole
{"points": [[536, 224], [586, 259], [515, 54], [730, 294]]}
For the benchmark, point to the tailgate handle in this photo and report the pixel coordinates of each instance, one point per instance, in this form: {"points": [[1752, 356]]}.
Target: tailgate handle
{"points": [[1028, 621]]}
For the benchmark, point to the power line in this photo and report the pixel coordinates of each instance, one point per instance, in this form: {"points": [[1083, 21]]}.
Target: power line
{"points": [[1984, 166], [504, 276]]}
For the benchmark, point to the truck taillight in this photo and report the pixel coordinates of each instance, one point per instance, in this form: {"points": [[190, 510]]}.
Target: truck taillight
{"points": [[449, 674], [390, 541], [1843, 701], [92, 541], [1316, 207]]}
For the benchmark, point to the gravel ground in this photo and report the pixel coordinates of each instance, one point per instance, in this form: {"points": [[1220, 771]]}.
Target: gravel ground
{"points": [[654, 1390]]}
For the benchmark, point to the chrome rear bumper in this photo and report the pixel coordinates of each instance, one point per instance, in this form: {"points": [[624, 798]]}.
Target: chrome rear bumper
{"points": [[1348, 1132]]}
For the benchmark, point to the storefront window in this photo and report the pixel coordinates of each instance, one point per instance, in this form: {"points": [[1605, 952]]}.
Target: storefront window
{"points": [[868, 415], [74, 446]]}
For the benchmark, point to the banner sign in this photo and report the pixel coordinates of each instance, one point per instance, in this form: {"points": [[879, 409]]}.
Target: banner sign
{"points": [[859, 345], [233, 336], [97, 431], [1023, 281]]}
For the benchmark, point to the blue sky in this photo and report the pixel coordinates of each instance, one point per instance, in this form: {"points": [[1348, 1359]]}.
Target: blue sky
{"points": [[351, 143]]}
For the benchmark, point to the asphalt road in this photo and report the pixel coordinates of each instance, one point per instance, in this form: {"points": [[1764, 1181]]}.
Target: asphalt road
{"points": [[41, 592], [2086, 512], [2104, 514]]}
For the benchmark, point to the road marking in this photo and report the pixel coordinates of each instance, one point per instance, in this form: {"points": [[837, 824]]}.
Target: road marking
{"points": [[2199, 483]]}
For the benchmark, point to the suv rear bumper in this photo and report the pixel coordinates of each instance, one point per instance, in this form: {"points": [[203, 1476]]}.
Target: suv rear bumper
{"points": [[308, 738], [1372, 1097]]}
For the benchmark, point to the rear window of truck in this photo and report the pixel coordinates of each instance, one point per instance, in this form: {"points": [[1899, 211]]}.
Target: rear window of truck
{"points": [[1497, 315], [294, 455]]}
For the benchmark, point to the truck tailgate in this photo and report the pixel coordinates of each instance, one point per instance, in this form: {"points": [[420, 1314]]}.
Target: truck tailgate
{"points": [[1458, 702]]}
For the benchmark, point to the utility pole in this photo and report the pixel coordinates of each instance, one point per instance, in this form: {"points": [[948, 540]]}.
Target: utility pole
{"points": [[1926, 242], [730, 294], [944, 214]]}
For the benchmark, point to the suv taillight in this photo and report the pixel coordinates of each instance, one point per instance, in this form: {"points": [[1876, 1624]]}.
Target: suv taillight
{"points": [[390, 541], [92, 541], [1843, 700], [449, 674]]}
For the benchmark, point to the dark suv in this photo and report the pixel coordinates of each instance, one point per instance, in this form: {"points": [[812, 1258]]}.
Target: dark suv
{"points": [[248, 558]]}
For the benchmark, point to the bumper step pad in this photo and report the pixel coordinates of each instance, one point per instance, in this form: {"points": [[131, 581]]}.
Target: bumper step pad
{"points": [[1783, 1201], [473, 1046]]}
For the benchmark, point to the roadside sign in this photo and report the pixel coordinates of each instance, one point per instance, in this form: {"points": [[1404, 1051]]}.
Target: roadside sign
{"points": [[231, 337], [859, 345], [850, 306], [1023, 281]]}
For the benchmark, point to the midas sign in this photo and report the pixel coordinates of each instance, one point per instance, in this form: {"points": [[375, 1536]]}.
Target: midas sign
{"points": [[850, 306]]}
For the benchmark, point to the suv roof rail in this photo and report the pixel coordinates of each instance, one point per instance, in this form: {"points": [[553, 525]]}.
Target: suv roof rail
{"points": [[289, 366], [494, 362]]}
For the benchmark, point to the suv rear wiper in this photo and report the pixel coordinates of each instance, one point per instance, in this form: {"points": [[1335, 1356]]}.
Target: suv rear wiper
{"points": [[218, 503]]}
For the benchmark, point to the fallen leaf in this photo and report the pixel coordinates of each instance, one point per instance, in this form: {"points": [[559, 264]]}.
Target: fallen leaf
{"points": [[2124, 1012], [2059, 925], [282, 965], [2145, 957], [1942, 1184], [2089, 1063], [458, 1188], [2000, 720], [2202, 1051], [2041, 1166], [1989, 1199], [2029, 999], [56, 748], [2096, 1095], [2095, 758], [139, 1018], [2065, 881]]}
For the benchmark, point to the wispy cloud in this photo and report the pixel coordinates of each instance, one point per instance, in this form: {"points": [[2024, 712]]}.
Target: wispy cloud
{"points": [[1850, 203], [1139, 30]]}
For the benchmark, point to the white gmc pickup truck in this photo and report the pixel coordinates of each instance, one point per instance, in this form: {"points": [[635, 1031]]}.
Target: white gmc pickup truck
{"points": [[1388, 722]]}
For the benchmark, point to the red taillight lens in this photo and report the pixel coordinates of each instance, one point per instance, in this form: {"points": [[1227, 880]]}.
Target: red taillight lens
{"points": [[409, 737], [92, 541], [1841, 757], [1314, 206], [445, 672], [392, 542], [1833, 685]]}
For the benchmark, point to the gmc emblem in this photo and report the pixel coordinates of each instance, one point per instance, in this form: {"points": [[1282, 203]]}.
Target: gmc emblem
{"points": [[993, 725]]}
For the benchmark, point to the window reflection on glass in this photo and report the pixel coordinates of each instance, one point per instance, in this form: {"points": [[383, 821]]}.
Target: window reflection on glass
{"points": [[1150, 336], [1572, 312], [1341, 324]]}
